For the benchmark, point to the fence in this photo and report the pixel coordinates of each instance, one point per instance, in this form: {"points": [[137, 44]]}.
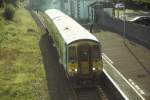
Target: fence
{"points": [[136, 32]]}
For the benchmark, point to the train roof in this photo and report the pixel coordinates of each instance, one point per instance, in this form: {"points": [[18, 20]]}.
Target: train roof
{"points": [[70, 30]]}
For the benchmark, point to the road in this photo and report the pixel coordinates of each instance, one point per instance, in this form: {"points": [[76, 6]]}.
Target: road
{"points": [[129, 58], [131, 14]]}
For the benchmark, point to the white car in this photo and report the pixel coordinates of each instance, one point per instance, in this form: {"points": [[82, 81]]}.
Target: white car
{"points": [[144, 20], [119, 6]]}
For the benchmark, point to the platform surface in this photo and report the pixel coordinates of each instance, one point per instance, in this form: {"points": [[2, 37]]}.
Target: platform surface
{"points": [[129, 58]]}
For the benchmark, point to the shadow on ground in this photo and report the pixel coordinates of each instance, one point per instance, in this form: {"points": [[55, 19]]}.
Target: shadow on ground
{"points": [[137, 59], [57, 82]]}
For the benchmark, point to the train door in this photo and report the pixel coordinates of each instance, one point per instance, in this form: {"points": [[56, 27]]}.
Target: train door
{"points": [[84, 59]]}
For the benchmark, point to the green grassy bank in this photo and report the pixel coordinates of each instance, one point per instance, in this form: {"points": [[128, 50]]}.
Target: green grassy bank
{"points": [[22, 74]]}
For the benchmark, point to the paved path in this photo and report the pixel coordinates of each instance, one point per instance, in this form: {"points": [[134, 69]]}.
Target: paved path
{"points": [[131, 59]]}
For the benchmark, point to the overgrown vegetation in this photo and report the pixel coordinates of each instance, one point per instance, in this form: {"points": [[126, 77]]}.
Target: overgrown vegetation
{"points": [[9, 6], [9, 12], [3, 36], [14, 2], [5, 2], [138, 1], [22, 75], [42, 4], [1, 3]]}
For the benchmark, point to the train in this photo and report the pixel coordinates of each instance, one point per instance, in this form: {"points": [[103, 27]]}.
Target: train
{"points": [[79, 50]]}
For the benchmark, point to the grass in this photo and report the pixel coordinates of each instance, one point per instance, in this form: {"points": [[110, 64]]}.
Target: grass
{"points": [[22, 74]]}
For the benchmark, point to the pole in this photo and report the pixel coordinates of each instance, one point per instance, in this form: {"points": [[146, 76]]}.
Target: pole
{"points": [[88, 13], [124, 24]]}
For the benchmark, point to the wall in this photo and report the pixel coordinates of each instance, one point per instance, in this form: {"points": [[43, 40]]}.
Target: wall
{"points": [[78, 9], [136, 32]]}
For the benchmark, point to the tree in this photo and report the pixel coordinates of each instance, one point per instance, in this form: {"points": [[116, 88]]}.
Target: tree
{"points": [[40, 4], [14, 2], [1, 3], [124, 1], [9, 12], [142, 1]]}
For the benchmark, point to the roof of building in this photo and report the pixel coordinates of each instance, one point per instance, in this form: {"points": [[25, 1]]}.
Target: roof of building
{"points": [[101, 3], [69, 29]]}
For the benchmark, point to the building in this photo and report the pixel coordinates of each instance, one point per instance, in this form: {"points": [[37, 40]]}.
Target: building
{"points": [[78, 9], [87, 9], [97, 9], [46, 4]]}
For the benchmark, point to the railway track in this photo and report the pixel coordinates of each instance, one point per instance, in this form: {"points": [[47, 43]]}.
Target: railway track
{"points": [[92, 93]]}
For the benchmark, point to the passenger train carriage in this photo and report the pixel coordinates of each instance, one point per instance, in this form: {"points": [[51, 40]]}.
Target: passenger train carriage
{"points": [[79, 50]]}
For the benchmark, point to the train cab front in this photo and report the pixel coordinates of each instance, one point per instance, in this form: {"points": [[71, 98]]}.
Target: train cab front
{"points": [[84, 61]]}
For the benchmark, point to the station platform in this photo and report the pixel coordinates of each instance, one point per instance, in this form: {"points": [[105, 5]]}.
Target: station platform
{"points": [[130, 60], [120, 83]]}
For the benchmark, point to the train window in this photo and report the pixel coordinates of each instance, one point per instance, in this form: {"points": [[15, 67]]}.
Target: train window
{"points": [[83, 55], [72, 54], [95, 51]]}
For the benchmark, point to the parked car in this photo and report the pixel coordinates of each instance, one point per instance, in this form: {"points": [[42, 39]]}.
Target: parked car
{"points": [[119, 6], [144, 20]]}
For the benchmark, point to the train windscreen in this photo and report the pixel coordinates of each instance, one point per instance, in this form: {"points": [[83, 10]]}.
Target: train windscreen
{"points": [[83, 55], [72, 54]]}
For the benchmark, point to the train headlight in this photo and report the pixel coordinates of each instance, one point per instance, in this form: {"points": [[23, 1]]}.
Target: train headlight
{"points": [[76, 70], [94, 69]]}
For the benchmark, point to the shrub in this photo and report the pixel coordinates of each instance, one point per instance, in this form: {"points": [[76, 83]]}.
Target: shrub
{"points": [[14, 2], [9, 12], [1, 3]]}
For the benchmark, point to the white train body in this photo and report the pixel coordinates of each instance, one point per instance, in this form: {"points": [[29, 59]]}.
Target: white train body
{"points": [[79, 50]]}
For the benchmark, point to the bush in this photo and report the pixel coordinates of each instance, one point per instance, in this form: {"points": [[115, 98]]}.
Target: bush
{"points": [[14, 2], [1, 3], [9, 12]]}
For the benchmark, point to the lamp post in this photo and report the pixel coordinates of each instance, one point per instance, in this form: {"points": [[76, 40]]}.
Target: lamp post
{"points": [[124, 23]]}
